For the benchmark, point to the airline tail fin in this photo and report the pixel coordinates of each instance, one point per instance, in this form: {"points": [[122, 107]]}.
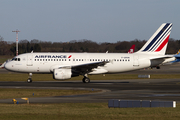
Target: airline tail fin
{"points": [[178, 52], [131, 50], [2, 66], [157, 44]]}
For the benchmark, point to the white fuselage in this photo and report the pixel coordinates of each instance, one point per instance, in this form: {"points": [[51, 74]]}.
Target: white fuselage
{"points": [[67, 65], [46, 62]]}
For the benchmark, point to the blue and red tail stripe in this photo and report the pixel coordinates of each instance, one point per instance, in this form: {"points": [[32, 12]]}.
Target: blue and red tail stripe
{"points": [[160, 40], [164, 36], [162, 45]]}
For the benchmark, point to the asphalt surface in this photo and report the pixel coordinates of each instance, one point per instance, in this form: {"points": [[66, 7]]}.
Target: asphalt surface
{"points": [[138, 89]]}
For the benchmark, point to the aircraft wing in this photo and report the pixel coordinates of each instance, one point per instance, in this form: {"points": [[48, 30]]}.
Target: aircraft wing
{"points": [[87, 68]]}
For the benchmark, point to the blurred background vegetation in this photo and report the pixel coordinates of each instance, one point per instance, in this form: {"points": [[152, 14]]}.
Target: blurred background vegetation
{"points": [[84, 45]]}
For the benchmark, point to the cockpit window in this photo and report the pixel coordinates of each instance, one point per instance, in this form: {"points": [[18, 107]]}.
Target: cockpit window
{"points": [[16, 59]]}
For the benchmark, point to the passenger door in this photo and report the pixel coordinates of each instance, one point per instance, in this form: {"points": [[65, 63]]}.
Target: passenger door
{"points": [[136, 61], [29, 60]]}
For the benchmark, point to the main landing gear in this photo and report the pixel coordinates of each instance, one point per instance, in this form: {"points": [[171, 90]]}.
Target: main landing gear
{"points": [[86, 79], [29, 80]]}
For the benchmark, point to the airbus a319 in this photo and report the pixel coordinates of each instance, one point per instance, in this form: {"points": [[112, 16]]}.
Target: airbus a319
{"points": [[66, 65]]}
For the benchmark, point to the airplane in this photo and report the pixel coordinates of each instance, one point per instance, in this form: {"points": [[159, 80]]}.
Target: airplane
{"points": [[131, 50], [172, 60], [168, 61], [66, 65], [2, 65], [177, 57]]}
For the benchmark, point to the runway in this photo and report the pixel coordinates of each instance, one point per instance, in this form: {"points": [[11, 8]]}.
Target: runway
{"points": [[144, 89], [135, 89]]}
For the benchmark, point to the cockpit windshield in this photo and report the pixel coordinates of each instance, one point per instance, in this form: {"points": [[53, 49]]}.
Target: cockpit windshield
{"points": [[16, 59]]}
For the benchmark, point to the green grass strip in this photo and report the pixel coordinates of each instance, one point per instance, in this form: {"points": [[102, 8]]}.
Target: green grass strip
{"points": [[6, 93], [48, 77], [84, 111]]}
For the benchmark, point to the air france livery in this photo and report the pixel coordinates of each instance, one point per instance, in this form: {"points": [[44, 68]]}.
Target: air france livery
{"points": [[66, 65]]}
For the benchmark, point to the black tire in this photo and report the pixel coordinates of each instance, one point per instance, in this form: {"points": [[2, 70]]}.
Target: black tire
{"points": [[29, 80], [83, 80], [86, 80], [158, 67]]}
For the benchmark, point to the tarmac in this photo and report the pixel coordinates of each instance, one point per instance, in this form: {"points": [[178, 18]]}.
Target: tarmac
{"points": [[134, 89]]}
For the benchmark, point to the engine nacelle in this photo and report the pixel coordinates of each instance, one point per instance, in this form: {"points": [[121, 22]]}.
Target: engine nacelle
{"points": [[62, 74]]}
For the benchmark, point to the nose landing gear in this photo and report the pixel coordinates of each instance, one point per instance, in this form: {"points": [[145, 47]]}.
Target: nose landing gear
{"points": [[29, 80]]}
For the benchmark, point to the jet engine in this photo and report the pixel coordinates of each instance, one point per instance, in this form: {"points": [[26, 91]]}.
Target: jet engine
{"points": [[62, 74]]}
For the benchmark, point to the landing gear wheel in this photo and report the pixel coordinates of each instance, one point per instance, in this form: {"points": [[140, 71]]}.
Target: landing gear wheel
{"points": [[157, 67], [86, 80], [29, 80]]}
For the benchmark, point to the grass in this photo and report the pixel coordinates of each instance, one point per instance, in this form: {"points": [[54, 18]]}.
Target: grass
{"points": [[6, 93], [75, 111], [84, 111], [48, 77], [3, 58]]}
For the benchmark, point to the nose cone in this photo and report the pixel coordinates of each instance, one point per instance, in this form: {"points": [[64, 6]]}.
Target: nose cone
{"points": [[8, 66]]}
